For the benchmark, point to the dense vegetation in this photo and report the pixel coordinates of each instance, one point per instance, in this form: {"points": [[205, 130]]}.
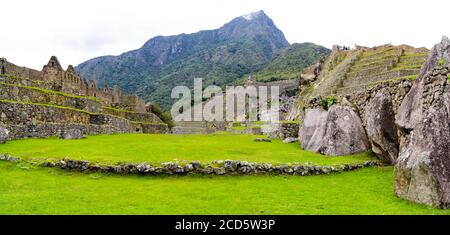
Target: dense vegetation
{"points": [[161, 148], [28, 190], [289, 62]]}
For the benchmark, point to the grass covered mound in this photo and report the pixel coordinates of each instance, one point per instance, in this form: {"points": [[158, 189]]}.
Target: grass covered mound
{"points": [[35, 190], [157, 148]]}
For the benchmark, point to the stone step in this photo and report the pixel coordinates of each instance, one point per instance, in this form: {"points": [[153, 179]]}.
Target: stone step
{"points": [[385, 63], [363, 87], [383, 53], [328, 82], [378, 59], [413, 59], [418, 64], [371, 52], [368, 71], [380, 77]]}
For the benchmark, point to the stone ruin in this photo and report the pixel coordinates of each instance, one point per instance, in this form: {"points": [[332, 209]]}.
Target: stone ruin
{"points": [[394, 101], [54, 101], [54, 77]]}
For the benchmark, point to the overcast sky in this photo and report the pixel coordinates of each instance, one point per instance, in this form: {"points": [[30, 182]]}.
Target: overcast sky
{"points": [[75, 31]]}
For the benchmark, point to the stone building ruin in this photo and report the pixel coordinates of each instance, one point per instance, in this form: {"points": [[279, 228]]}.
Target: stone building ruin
{"points": [[51, 101]]}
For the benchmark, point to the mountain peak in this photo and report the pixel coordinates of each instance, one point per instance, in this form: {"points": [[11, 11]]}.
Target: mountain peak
{"points": [[254, 25], [254, 15], [221, 56]]}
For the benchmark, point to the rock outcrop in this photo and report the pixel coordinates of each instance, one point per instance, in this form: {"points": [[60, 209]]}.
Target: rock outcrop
{"points": [[336, 132], [440, 51], [4, 134], [410, 111], [380, 126], [422, 172], [312, 130], [290, 140]]}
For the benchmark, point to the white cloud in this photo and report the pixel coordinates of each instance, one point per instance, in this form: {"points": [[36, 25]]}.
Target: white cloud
{"points": [[75, 31]]}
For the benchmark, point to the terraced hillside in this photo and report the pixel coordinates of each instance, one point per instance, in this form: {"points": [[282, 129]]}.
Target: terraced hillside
{"points": [[347, 72], [385, 63]]}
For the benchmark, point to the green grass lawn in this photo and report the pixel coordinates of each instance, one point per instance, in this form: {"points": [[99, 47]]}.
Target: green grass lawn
{"points": [[35, 190], [160, 148]]}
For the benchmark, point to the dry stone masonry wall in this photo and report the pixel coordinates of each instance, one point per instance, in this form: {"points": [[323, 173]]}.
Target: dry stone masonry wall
{"points": [[54, 101], [218, 167]]}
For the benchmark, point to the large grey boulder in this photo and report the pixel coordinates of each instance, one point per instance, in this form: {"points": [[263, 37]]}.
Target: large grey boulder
{"points": [[312, 129], [380, 127], [71, 134], [422, 172], [344, 133], [410, 111], [336, 132], [4, 134]]}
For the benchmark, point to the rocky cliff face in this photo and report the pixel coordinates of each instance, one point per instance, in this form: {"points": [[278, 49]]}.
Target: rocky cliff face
{"points": [[422, 172]]}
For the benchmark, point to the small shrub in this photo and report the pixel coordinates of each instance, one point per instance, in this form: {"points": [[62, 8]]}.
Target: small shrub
{"points": [[166, 117], [441, 62], [328, 102]]}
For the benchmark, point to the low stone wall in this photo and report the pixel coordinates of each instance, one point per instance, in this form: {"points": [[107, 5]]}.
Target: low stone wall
{"points": [[106, 119], [20, 113], [31, 120], [219, 167], [250, 130], [151, 128], [44, 130], [201, 127], [281, 130], [33, 95], [133, 116]]}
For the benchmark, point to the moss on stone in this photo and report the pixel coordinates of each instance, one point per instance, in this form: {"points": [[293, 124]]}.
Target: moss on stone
{"points": [[117, 110]]}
